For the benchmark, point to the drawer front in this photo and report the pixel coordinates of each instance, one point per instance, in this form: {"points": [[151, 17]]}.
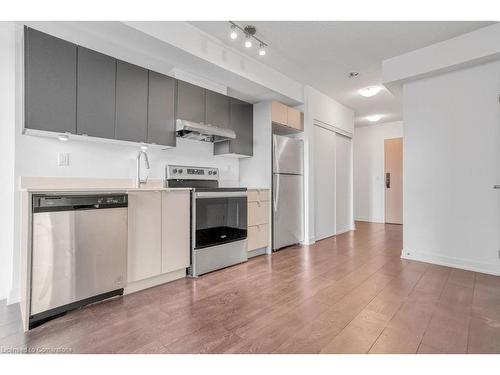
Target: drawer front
{"points": [[259, 195], [258, 213], [258, 236]]}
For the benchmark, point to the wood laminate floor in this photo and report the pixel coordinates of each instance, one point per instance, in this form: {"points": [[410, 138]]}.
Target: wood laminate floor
{"points": [[347, 294]]}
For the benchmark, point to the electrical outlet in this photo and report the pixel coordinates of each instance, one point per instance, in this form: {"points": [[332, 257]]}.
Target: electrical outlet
{"points": [[62, 159]]}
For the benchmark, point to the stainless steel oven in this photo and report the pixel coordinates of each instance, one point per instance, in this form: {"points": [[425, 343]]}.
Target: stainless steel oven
{"points": [[218, 219]]}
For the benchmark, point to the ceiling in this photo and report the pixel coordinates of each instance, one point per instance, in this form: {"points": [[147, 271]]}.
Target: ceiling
{"points": [[321, 54]]}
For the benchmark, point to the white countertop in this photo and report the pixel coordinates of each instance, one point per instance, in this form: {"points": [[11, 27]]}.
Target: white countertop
{"points": [[85, 185], [99, 190], [91, 185]]}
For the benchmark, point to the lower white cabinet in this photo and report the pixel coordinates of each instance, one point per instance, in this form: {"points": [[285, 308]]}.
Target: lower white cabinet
{"points": [[158, 233], [175, 253], [144, 235], [258, 236], [258, 219]]}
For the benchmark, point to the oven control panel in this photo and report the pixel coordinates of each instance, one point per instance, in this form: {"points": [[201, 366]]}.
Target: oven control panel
{"points": [[181, 172]]}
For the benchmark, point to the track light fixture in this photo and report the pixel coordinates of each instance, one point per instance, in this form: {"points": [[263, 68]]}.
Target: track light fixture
{"points": [[249, 31]]}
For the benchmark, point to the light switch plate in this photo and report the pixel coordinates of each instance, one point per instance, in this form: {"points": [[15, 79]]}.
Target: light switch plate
{"points": [[62, 159]]}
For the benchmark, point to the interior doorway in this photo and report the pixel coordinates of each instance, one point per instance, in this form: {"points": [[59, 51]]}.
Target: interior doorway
{"points": [[393, 168]]}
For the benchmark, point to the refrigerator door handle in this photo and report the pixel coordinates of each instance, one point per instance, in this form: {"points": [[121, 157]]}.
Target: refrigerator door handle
{"points": [[276, 193], [275, 156]]}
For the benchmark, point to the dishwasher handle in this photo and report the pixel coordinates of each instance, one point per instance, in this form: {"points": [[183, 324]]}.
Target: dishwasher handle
{"points": [[86, 207]]}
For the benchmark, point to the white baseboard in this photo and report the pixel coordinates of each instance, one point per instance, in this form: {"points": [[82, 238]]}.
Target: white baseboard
{"points": [[154, 281], [257, 252], [345, 230], [442, 260], [14, 296], [370, 219]]}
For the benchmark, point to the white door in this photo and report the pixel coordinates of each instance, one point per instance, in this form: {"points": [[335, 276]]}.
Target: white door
{"points": [[324, 182], [343, 184]]}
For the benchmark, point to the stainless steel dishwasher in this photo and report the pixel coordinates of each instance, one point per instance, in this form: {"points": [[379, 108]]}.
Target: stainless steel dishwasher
{"points": [[79, 252]]}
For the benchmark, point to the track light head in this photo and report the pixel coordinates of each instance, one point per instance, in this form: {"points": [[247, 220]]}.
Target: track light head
{"points": [[234, 33], [262, 50]]}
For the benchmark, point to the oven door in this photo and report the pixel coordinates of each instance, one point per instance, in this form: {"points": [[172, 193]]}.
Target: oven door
{"points": [[219, 217]]}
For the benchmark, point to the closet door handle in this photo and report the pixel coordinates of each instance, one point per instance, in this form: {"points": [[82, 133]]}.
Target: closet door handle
{"points": [[388, 180]]}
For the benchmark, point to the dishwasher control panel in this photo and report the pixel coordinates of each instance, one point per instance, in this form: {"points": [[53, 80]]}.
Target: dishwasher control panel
{"points": [[47, 203]]}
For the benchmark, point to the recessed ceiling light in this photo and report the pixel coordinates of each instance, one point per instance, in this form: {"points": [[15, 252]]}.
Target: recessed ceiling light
{"points": [[370, 91], [63, 137], [373, 118], [262, 50]]}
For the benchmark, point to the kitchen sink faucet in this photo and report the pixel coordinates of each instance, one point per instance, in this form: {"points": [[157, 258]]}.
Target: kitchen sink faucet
{"points": [[139, 180]]}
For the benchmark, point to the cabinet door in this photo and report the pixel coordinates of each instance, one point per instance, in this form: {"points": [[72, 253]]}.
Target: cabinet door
{"points": [[50, 83], [242, 124], [144, 235], [279, 113], [217, 109], [161, 109], [96, 94], [131, 102], [190, 102], [258, 236], [241, 121], [176, 250], [295, 119]]}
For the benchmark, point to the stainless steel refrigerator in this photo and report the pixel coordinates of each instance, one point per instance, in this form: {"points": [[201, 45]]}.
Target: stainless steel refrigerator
{"points": [[288, 197]]}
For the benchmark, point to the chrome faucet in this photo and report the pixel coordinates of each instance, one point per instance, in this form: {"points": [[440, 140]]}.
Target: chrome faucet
{"points": [[139, 180]]}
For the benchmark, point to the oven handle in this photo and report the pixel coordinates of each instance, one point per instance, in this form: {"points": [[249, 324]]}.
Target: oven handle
{"points": [[227, 194]]}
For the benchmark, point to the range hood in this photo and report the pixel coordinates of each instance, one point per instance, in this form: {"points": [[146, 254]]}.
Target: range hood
{"points": [[202, 132]]}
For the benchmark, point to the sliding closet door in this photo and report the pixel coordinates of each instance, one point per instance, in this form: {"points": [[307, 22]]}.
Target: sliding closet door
{"points": [[343, 183], [324, 182]]}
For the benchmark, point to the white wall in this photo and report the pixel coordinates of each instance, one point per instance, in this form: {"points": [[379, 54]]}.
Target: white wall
{"points": [[256, 171], [464, 50], [7, 119], [451, 212], [369, 190], [319, 107]]}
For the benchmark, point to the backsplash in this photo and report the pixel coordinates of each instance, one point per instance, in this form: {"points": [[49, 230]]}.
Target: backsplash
{"points": [[38, 156]]}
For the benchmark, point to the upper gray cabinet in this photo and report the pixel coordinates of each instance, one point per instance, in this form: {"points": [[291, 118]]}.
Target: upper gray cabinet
{"points": [[131, 102], [161, 109], [241, 121], [190, 102], [217, 109], [96, 94], [50, 83]]}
